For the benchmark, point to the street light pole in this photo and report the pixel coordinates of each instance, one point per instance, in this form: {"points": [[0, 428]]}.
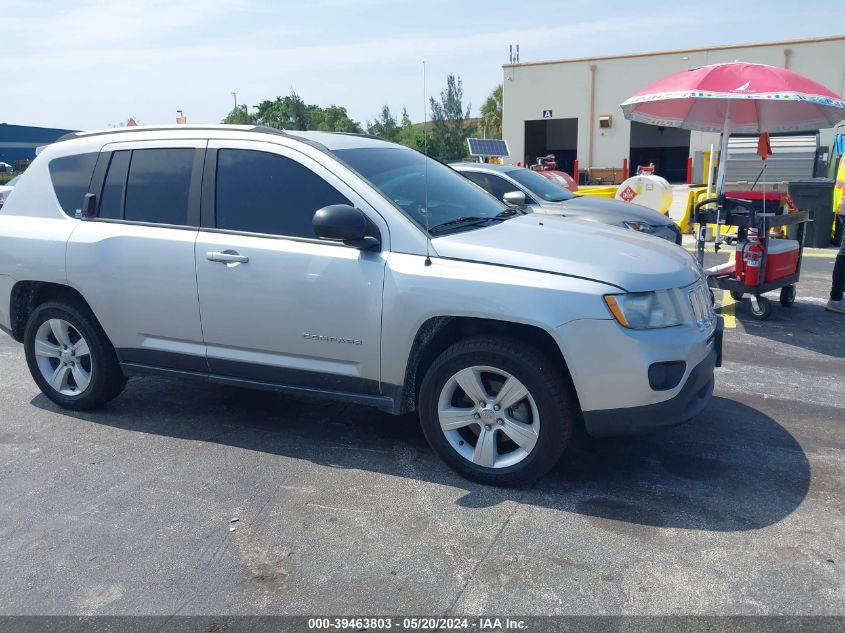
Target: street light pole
{"points": [[235, 95]]}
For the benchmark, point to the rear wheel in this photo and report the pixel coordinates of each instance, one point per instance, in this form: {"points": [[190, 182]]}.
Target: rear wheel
{"points": [[736, 295], [70, 358], [496, 411]]}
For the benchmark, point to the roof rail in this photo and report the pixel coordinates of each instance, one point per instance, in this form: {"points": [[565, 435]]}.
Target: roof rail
{"points": [[170, 128]]}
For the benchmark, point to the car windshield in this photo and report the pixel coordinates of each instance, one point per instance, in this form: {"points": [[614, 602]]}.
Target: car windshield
{"points": [[540, 186], [454, 203]]}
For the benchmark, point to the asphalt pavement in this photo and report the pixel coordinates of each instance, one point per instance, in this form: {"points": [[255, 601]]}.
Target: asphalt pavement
{"points": [[342, 509]]}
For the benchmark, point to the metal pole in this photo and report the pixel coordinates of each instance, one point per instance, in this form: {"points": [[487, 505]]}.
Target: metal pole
{"points": [[723, 166], [710, 170], [723, 153], [593, 68], [235, 95]]}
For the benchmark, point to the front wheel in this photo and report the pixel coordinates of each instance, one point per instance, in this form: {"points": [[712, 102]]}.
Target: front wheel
{"points": [[496, 411], [70, 358], [761, 311], [787, 296]]}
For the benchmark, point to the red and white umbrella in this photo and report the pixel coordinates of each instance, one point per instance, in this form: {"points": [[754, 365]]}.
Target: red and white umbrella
{"points": [[742, 98], [736, 98]]}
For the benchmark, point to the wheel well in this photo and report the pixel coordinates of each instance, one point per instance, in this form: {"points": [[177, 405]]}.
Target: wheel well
{"points": [[28, 295], [439, 333]]}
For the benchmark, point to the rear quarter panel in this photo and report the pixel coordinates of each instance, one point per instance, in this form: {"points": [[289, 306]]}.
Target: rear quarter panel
{"points": [[31, 249], [33, 229]]}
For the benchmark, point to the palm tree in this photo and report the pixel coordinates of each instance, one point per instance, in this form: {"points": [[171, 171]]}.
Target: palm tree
{"points": [[491, 114]]}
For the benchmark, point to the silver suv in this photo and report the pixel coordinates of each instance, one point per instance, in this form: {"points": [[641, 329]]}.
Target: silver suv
{"points": [[351, 268]]}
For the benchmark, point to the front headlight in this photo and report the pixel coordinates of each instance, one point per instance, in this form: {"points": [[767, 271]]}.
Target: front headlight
{"points": [[648, 310], [642, 227]]}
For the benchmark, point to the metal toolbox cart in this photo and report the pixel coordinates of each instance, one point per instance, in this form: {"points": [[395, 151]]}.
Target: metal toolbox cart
{"points": [[754, 225]]}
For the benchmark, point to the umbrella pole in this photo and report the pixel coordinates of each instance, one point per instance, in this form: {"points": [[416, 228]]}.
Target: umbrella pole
{"points": [[720, 180], [710, 170]]}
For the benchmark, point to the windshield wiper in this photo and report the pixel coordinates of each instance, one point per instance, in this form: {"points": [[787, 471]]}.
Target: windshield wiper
{"points": [[467, 220], [510, 212]]}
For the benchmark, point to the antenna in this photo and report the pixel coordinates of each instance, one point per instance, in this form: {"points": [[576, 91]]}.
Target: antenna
{"points": [[517, 53], [425, 148]]}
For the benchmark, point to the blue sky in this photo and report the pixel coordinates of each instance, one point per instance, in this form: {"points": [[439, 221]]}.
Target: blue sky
{"points": [[91, 63]]}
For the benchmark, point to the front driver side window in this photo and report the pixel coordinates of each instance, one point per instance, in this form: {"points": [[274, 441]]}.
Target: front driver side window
{"points": [[491, 183], [260, 192]]}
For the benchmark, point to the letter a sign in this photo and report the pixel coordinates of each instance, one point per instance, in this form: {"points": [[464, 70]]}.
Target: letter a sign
{"points": [[547, 114]]}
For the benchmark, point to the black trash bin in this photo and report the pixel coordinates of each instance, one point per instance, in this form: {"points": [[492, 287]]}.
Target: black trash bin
{"points": [[816, 196]]}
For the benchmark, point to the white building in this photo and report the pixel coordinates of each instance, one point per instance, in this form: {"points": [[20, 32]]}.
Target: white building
{"points": [[570, 107]]}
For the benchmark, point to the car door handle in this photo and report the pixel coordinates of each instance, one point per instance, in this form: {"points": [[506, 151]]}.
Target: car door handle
{"points": [[226, 257]]}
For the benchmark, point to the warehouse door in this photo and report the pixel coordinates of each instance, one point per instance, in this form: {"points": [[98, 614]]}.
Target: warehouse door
{"points": [[552, 136], [666, 147]]}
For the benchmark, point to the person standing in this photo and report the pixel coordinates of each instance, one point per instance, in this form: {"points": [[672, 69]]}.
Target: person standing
{"points": [[837, 302]]}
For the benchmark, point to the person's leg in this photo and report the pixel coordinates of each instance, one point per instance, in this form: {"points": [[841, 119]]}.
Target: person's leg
{"points": [[837, 289]]}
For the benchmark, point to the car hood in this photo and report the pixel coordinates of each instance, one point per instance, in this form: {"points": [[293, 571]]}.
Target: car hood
{"points": [[566, 246], [604, 210]]}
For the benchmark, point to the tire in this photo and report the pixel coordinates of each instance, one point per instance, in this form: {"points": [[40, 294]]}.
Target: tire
{"points": [[51, 327], [787, 296], [736, 295], [541, 420], [765, 310]]}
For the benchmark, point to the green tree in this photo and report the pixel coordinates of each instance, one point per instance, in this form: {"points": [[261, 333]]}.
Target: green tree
{"points": [[292, 113], [385, 125], [239, 116], [289, 113], [331, 119], [449, 130], [410, 135], [491, 114]]}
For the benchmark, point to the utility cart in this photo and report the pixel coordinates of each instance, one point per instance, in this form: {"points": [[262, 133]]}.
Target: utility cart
{"points": [[763, 263]]}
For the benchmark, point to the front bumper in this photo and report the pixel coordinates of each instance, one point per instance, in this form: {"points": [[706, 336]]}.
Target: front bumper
{"points": [[685, 405]]}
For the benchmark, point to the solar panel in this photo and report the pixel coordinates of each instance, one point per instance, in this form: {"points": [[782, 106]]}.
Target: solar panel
{"points": [[488, 147]]}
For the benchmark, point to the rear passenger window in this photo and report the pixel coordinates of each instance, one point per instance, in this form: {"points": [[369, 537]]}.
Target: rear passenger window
{"points": [[158, 186], [111, 203], [267, 193], [71, 176]]}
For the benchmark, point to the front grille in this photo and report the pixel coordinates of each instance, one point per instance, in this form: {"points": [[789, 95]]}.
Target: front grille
{"points": [[702, 307]]}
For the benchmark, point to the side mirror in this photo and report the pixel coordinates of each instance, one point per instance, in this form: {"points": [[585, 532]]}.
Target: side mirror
{"points": [[344, 223], [516, 198], [89, 206]]}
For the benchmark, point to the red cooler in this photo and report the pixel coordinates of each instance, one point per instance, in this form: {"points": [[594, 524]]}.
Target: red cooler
{"points": [[782, 259]]}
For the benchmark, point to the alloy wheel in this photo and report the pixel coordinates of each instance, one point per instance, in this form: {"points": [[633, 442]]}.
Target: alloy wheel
{"points": [[63, 357], [488, 417]]}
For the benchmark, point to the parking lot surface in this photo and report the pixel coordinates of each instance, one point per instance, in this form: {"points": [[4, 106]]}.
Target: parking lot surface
{"points": [[345, 510]]}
